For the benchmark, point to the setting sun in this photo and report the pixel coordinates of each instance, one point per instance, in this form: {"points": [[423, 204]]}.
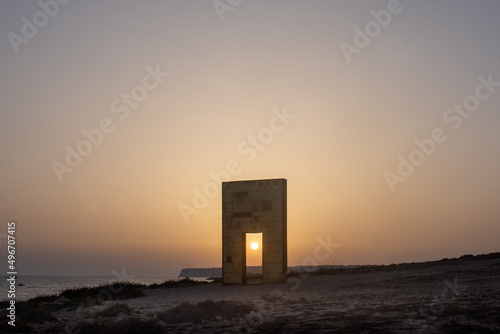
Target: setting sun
{"points": [[254, 245]]}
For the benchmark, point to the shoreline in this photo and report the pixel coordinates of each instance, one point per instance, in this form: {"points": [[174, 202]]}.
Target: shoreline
{"points": [[445, 295]]}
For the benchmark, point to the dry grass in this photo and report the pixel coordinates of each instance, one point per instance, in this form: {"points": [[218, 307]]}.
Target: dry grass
{"points": [[205, 310], [126, 326], [182, 283], [115, 310]]}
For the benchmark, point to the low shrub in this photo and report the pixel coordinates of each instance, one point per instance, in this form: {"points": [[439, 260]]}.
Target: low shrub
{"points": [[96, 295], [115, 310], [205, 310], [126, 326], [37, 314], [184, 282]]}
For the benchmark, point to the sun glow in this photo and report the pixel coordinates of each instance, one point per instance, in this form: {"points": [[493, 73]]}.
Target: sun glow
{"points": [[254, 245]]}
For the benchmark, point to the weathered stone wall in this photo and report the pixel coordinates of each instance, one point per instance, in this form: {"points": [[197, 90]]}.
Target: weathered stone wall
{"points": [[258, 206]]}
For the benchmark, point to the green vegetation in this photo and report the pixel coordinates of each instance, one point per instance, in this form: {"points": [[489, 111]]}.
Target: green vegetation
{"points": [[185, 282], [294, 273], [401, 266], [37, 314], [335, 271], [205, 310], [53, 329], [39, 310], [126, 326], [21, 326], [96, 295], [115, 310]]}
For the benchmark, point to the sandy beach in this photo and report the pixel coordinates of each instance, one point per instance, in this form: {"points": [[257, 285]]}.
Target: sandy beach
{"points": [[447, 296]]}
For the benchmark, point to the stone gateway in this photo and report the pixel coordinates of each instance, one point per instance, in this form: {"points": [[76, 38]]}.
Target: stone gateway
{"points": [[255, 206]]}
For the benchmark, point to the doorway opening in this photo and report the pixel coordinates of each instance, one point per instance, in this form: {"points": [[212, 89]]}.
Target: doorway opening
{"points": [[252, 273]]}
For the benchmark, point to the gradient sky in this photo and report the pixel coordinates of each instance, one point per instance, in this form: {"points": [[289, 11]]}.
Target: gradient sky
{"points": [[119, 208]]}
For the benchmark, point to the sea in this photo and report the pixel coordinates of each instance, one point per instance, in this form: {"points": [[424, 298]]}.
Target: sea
{"points": [[34, 286]]}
